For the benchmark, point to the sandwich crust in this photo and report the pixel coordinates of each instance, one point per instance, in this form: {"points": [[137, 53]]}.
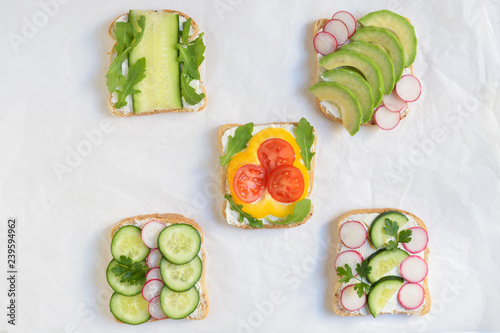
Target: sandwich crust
{"points": [[318, 25], [337, 305], [204, 305], [225, 188], [111, 105]]}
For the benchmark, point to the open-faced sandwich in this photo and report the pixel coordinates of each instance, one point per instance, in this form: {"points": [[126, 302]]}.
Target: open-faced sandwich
{"points": [[155, 64], [158, 269], [364, 75], [381, 264], [267, 173]]}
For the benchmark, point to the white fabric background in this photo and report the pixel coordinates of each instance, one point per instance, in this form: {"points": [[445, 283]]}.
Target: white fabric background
{"points": [[441, 163]]}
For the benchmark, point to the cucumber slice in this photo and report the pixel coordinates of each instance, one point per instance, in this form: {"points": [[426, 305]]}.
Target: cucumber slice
{"points": [[381, 291], [131, 310], [179, 243], [161, 87], [383, 261], [125, 289], [128, 242], [377, 235], [181, 277], [179, 305]]}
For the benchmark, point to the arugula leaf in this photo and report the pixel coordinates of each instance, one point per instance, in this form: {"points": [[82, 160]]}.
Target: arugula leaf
{"points": [[188, 92], [197, 47], [391, 228], [305, 140], [186, 28], [345, 274], [252, 221], [136, 73], [126, 39], [300, 211], [237, 143], [188, 61], [130, 272]]}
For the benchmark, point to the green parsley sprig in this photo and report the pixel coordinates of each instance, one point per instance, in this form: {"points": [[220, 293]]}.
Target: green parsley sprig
{"points": [[130, 272], [391, 228], [363, 270]]}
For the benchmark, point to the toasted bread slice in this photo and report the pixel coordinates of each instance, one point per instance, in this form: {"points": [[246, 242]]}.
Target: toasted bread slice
{"points": [[318, 25], [337, 305], [225, 185], [123, 111], [203, 307]]}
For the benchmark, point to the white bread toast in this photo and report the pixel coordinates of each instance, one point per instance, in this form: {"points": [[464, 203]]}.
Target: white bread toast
{"points": [[189, 108], [225, 186], [318, 25], [203, 307], [337, 305]]}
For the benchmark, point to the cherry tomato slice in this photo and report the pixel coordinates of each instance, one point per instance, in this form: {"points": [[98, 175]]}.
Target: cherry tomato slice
{"points": [[286, 184], [250, 182], [275, 152]]}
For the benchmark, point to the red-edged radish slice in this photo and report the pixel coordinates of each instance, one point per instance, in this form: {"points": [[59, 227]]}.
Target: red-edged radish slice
{"points": [[393, 103], [338, 29], [325, 43], [413, 269], [419, 240], [353, 234], [350, 257], [386, 119], [411, 296], [350, 299], [408, 88], [151, 289], [348, 20], [150, 232], [155, 309], [153, 274], [154, 258]]}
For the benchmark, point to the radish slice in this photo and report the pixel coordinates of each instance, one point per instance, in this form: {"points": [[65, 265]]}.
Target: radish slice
{"points": [[353, 234], [411, 296], [350, 257], [153, 274], [408, 88], [151, 289], [419, 240], [386, 119], [338, 29], [348, 20], [325, 43], [350, 299], [413, 269], [150, 232], [154, 258], [393, 103], [155, 309]]}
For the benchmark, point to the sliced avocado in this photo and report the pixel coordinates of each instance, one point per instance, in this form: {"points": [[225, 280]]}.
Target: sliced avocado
{"points": [[387, 40], [381, 292], [357, 85], [370, 71], [400, 26], [380, 57], [344, 99]]}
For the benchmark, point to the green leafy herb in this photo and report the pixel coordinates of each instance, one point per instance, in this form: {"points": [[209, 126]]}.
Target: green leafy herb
{"points": [[130, 272], [305, 139], [252, 221], [391, 228], [363, 270], [300, 212], [126, 39], [136, 73], [237, 143], [188, 92], [190, 57]]}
